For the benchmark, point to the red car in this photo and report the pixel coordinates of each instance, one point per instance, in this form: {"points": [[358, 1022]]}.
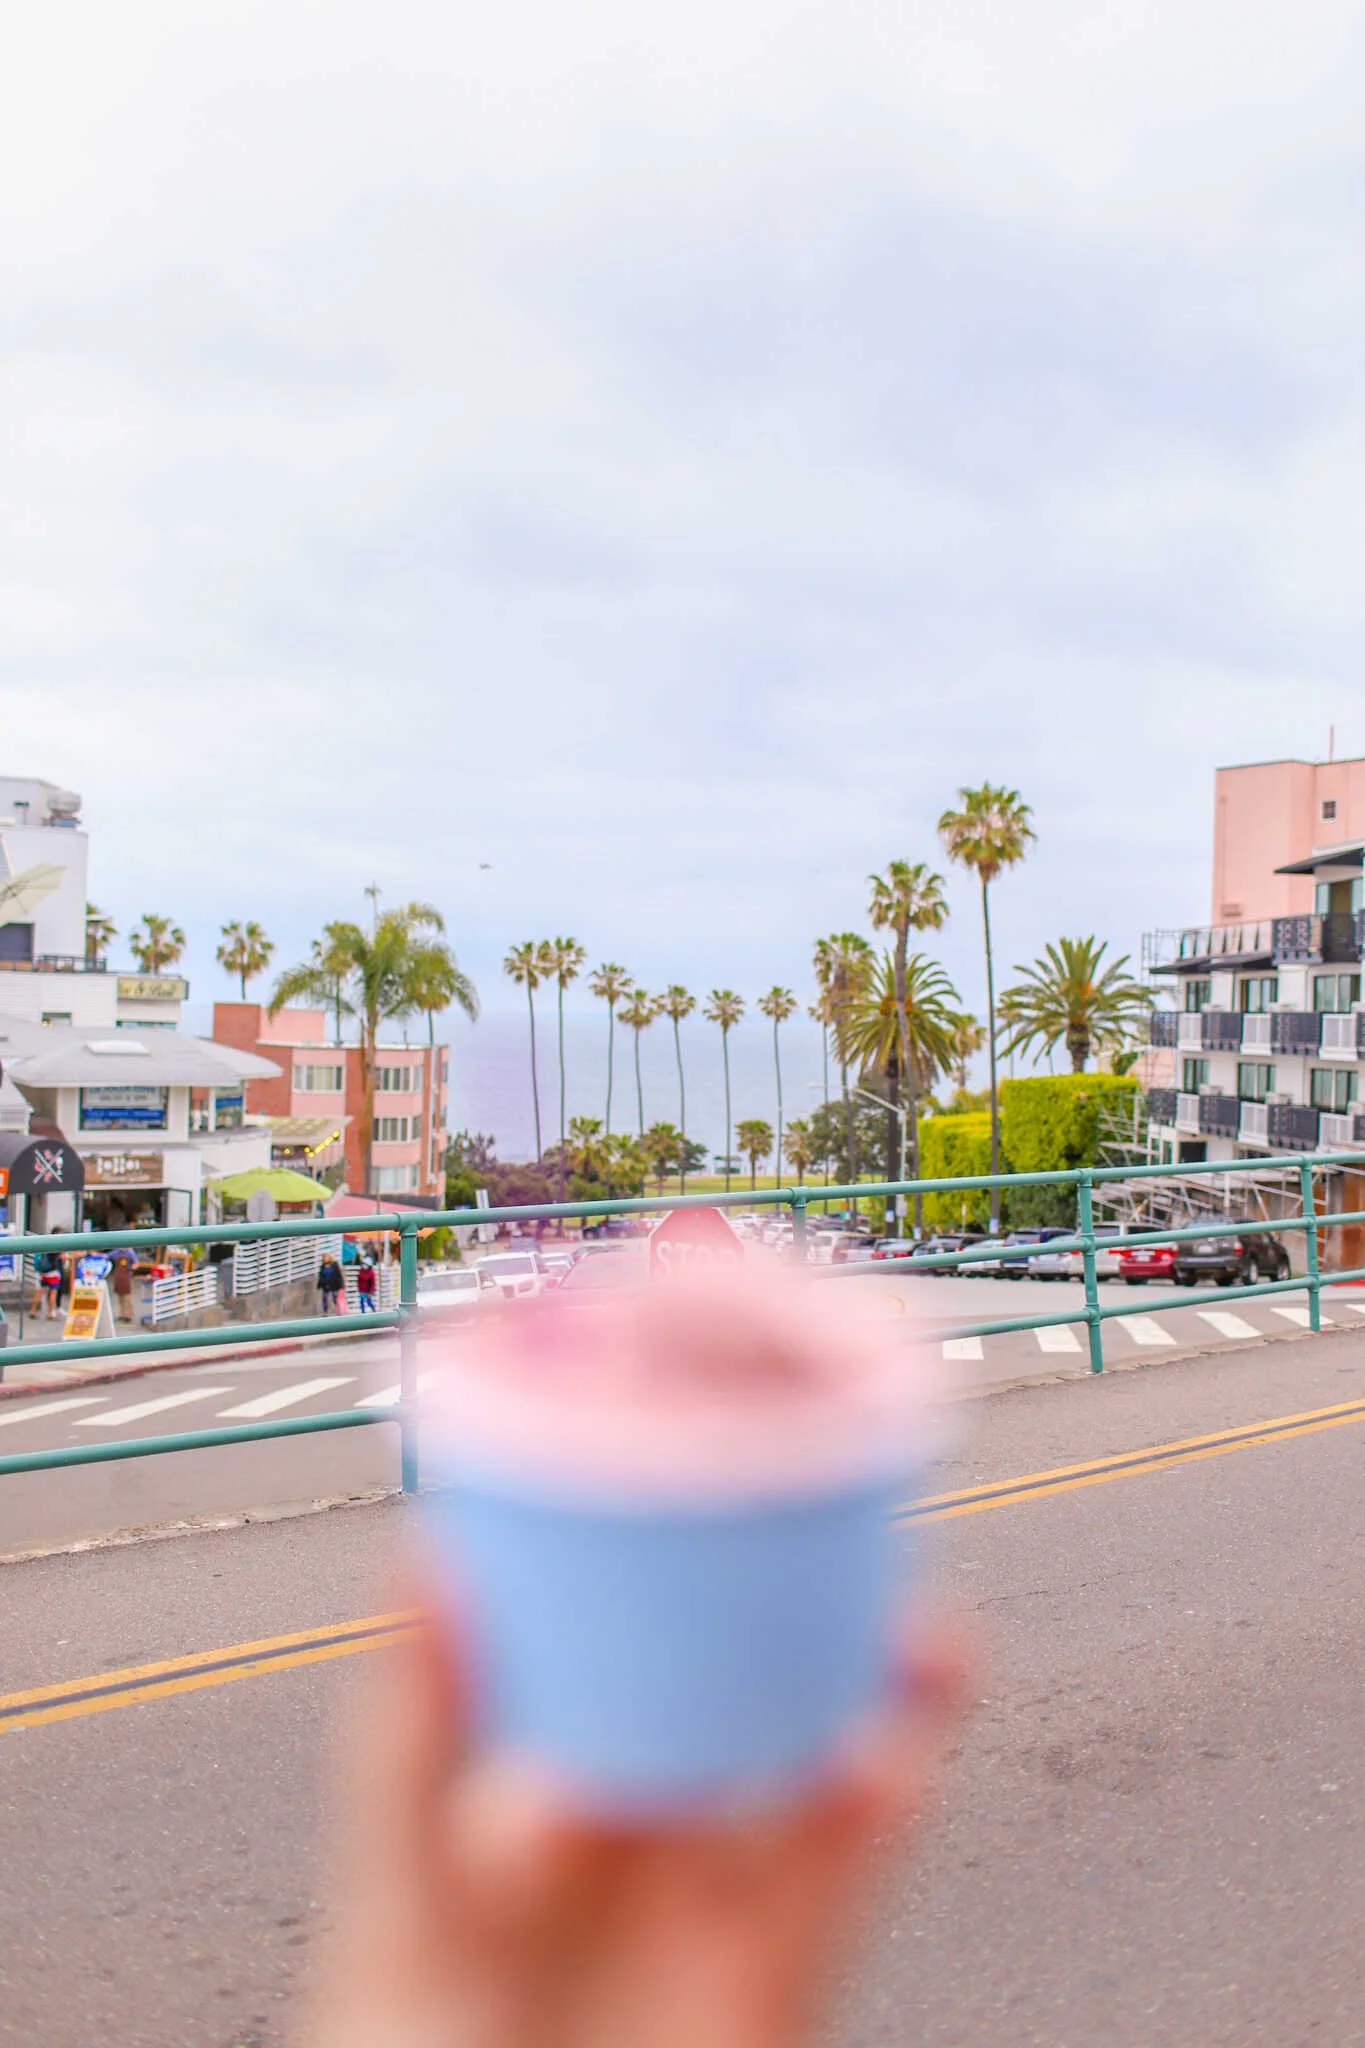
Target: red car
{"points": [[1139, 1263]]}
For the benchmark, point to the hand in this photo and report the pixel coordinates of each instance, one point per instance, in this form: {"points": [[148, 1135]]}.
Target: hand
{"points": [[478, 1909]]}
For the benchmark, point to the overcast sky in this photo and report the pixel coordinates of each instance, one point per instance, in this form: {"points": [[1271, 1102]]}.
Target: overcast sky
{"points": [[663, 454]]}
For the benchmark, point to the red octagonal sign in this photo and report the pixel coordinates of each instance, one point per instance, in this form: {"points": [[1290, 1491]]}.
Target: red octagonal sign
{"points": [[691, 1238]]}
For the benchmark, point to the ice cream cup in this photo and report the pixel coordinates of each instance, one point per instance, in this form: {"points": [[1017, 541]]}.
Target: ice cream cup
{"points": [[665, 1527]]}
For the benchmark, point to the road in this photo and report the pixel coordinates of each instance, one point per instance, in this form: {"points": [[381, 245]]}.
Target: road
{"points": [[47, 1508], [1149, 1832]]}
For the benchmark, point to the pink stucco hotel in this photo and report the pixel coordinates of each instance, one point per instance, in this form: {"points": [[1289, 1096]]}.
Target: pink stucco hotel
{"points": [[1268, 815]]}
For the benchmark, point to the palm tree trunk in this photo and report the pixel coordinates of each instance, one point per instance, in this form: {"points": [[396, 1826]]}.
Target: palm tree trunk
{"points": [[562, 1096], [990, 1039], [611, 1055], [682, 1111], [824, 1056], [850, 1141], [725, 1054], [777, 1069], [639, 1088], [535, 1081], [369, 1035]]}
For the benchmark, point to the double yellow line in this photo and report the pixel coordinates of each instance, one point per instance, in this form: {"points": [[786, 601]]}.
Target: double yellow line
{"points": [[99, 1694]]}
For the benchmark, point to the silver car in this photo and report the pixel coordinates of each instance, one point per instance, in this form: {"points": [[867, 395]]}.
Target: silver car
{"points": [[1070, 1265]]}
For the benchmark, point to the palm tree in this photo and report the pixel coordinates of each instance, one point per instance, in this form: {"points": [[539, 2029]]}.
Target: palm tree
{"points": [[921, 1029], [968, 1040], [525, 965], [565, 959], [1069, 995], [778, 1004], [156, 943], [662, 1144], [637, 1013], [991, 831], [675, 1003], [725, 1008], [755, 1139], [100, 930], [436, 981], [373, 975], [799, 1147], [907, 898], [609, 983], [245, 951], [843, 963]]}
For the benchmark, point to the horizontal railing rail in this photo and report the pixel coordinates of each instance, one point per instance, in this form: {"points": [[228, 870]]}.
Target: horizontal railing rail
{"points": [[799, 1199]]}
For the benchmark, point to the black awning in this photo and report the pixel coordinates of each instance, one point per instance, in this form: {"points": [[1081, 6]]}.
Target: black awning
{"points": [[1210, 963], [1351, 855], [32, 1165]]}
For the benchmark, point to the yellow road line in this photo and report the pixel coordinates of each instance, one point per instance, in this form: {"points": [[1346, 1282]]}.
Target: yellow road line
{"points": [[102, 1691]]}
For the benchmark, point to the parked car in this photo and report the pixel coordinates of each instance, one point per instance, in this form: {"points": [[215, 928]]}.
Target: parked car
{"points": [[621, 1267], [928, 1253], [1016, 1250], [453, 1290], [893, 1248], [1230, 1261], [1071, 1265], [513, 1273], [1139, 1263]]}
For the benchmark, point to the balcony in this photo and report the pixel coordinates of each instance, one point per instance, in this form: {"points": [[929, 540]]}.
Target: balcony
{"points": [[1256, 1031], [1161, 1105], [1187, 1114], [56, 963], [1337, 936], [1293, 1127], [1295, 1031], [1343, 1035], [1219, 1116], [1338, 1132], [1254, 1125], [1222, 1030], [1189, 1031], [1225, 941], [1163, 1028]]}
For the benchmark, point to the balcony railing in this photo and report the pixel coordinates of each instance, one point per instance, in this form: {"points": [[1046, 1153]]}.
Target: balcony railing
{"points": [[1338, 1130], [1187, 1114], [1256, 1031], [57, 963], [1219, 1116], [1190, 1031], [1206, 941], [1253, 1127], [1342, 1035], [1295, 1031], [1161, 1105], [1294, 1126], [1336, 936], [1222, 1030], [1163, 1028]]}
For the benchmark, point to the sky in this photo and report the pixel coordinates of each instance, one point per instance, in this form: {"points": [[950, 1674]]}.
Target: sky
{"points": [[618, 474]]}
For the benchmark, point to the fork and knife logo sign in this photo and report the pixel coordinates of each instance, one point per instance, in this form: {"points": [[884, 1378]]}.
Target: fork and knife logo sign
{"points": [[48, 1169]]}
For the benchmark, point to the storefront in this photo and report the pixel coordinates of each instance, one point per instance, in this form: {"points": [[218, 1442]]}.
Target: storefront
{"points": [[41, 1182], [126, 1189]]}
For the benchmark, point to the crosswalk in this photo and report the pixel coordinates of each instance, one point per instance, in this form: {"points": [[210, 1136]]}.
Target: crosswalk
{"points": [[1132, 1336]]}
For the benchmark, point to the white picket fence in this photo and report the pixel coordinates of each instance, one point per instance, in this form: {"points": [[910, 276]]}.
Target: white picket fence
{"points": [[276, 1261], [183, 1293], [385, 1292]]}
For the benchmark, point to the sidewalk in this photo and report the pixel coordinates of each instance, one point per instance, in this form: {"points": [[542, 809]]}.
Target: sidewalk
{"points": [[41, 1379]]}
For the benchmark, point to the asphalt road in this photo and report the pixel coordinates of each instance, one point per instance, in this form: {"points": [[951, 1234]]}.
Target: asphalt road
{"points": [[1149, 1832], [46, 1508]]}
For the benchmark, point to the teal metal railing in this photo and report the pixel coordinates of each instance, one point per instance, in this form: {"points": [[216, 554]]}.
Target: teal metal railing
{"points": [[797, 1200]]}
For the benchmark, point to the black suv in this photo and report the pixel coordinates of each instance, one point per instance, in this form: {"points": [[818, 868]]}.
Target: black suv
{"points": [[1230, 1261]]}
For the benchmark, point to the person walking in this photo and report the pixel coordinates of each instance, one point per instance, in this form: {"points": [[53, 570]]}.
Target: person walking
{"points": [[366, 1278], [47, 1281], [330, 1284], [122, 1281]]}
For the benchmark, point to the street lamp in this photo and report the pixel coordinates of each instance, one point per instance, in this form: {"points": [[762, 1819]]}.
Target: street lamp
{"points": [[900, 1116]]}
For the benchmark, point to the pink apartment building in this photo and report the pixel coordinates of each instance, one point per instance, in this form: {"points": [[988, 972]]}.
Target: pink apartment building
{"points": [[319, 1089], [1270, 814]]}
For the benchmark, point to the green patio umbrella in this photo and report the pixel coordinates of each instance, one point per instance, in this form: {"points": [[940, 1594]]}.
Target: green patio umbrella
{"points": [[280, 1181]]}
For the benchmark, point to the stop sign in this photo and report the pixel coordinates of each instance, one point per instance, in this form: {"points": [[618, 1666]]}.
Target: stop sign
{"points": [[691, 1238]]}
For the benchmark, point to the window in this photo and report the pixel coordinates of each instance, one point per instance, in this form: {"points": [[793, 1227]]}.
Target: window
{"points": [[397, 1080], [124, 1109], [1335, 992], [1254, 1082], [1198, 995], [1329, 808], [1257, 994], [1332, 1088], [1339, 898], [395, 1130], [319, 1080], [1196, 1074], [56, 1016], [229, 1108], [394, 1180]]}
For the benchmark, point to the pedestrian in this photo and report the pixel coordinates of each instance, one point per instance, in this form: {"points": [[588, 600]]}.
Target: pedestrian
{"points": [[47, 1281], [365, 1280], [124, 1260], [330, 1284]]}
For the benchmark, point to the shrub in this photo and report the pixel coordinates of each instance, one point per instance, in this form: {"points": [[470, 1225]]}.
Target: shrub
{"points": [[950, 1147], [1053, 1121]]}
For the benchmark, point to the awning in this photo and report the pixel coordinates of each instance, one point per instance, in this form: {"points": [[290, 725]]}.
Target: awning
{"points": [[1349, 855], [32, 1165], [281, 1182]]}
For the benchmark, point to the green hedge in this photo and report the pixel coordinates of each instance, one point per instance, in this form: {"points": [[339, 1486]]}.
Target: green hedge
{"points": [[1048, 1121], [949, 1147]]}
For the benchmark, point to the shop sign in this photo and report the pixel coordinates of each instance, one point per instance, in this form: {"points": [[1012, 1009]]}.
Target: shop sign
{"points": [[125, 1169], [123, 1108], [152, 988], [89, 1313]]}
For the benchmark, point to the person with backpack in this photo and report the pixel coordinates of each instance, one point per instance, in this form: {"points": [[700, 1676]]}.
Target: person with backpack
{"points": [[330, 1285]]}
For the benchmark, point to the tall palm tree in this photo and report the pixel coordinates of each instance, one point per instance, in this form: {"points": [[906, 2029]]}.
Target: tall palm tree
{"points": [[609, 984], [992, 830], [100, 929], [374, 969], [799, 1147], [908, 897], [1068, 995], [156, 943], [675, 1003], [778, 1005], [969, 1039], [920, 1029], [843, 963], [525, 965], [725, 1008], [245, 951], [755, 1139], [436, 982], [638, 1012], [565, 957]]}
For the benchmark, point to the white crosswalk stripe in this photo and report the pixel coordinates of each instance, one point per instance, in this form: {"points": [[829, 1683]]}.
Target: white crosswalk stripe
{"points": [[1058, 1338], [387, 1397], [1226, 1323], [283, 1397], [1291, 1312], [1144, 1330], [1358, 1307], [962, 1347], [115, 1418], [8, 1415]]}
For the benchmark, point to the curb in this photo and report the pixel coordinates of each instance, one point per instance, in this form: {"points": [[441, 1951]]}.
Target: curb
{"points": [[12, 1390]]}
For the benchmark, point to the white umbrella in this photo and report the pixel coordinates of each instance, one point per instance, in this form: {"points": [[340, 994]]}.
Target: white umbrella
{"points": [[21, 894]]}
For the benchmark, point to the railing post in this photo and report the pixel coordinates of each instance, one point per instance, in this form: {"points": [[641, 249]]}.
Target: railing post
{"points": [[798, 1208], [1085, 1211], [407, 1349], [1310, 1238]]}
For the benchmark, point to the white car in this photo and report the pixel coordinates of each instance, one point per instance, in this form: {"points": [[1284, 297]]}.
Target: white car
{"points": [[1070, 1266], [452, 1290], [513, 1273]]}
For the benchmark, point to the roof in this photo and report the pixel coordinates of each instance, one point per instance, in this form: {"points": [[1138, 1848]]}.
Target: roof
{"points": [[1350, 854], [304, 1130], [61, 1056]]}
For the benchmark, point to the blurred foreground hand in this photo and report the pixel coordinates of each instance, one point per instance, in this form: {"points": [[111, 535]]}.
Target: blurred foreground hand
{"points": [[475, 1908]]}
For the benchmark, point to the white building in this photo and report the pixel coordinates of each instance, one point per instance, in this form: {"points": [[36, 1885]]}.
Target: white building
{"points": [[47, 976]]}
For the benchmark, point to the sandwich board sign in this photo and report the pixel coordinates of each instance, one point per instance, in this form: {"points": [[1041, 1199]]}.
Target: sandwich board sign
{"points": [[690, 1240], [88, 1312]]}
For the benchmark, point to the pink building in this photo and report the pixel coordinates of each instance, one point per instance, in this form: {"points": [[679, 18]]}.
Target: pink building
{"points": [[1269, 814], [320, 1083]]}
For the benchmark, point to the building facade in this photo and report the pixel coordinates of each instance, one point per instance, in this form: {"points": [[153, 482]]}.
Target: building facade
{"points": [[320, 1090]]}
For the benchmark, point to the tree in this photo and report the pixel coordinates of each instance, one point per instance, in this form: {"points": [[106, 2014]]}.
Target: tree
{"points": [[436, 981], [968, 1040], [832, 1140], [908, 897], [990, 832], [725, 1008], [918, 1027], [663, 1145], [100, 931], [1069, 996], [245, 951], [156, 943], [799, 1147], [842, 964], [778, 1005], [525, 965], [609, 984], [755, 1142], [637, 1013], [373, 973], [675, 1003], [565, 958]]}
